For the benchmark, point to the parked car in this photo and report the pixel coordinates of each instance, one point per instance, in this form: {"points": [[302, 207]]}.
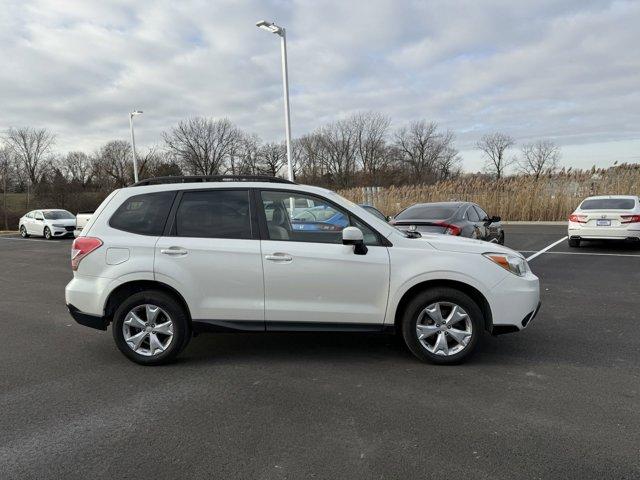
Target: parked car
{"points": [[48, 223], [374, 211], [82, 218], [464, 219], [611, 217], [162, 260]]}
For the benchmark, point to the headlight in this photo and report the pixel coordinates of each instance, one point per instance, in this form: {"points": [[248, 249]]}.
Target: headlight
{"points": [[514, 263]]}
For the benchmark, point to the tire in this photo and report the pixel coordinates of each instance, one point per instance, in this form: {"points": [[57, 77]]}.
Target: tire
{"points": [[168, 307], [473, 324], [501, 239], [574, 242], [47, 233], [23, 232]]}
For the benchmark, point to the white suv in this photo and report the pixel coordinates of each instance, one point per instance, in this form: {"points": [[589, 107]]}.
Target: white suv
{"points": [[172, 256]]}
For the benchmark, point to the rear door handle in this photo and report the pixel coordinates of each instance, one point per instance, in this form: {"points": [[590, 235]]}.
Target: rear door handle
{"points": [[174, 251], [279, 257]]}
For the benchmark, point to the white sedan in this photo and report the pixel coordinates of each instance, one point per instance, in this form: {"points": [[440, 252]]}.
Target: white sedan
{"points": [[611, 217], [47, 223]]}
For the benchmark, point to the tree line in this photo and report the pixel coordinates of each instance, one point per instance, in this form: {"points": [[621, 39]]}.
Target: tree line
{"points": [[360, 150]]}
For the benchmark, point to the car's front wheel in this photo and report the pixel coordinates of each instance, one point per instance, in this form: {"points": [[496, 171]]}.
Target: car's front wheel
{"points": [[442, 325], [151, 328], [47, 233], [23, 232]]}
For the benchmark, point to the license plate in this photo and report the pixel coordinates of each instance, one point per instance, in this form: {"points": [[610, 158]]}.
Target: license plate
{"points": [[603, 223]]}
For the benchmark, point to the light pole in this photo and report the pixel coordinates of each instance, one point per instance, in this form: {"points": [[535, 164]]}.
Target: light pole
{"points": [[273, 28], [133, 144]]}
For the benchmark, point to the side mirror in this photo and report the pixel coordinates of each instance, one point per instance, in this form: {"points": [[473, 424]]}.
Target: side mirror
{"points": [[495, 219], [353, 236], [388, 218]]}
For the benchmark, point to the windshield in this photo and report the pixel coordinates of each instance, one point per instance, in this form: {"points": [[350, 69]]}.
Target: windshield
{"points": [[427, 212], [58, 215], [608, 204]]}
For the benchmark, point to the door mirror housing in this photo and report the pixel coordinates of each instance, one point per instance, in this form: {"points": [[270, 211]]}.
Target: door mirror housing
{"points": [[353, 236], [494, 219]]}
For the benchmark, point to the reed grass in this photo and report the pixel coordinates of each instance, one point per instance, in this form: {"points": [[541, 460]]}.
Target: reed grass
{"points": [[549, 198]]}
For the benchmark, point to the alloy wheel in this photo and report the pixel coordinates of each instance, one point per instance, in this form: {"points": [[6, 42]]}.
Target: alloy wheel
{"points": [[444, 328], [148, 330]]}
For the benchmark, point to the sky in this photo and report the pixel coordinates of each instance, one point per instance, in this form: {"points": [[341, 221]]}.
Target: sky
{"points": [[568, 71]]}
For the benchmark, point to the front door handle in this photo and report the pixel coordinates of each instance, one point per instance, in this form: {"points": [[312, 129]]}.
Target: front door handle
{"points": [[279, 257], [174, 251]]}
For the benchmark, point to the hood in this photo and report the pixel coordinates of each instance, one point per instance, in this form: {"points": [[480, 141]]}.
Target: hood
{"points": [[450, 243]]}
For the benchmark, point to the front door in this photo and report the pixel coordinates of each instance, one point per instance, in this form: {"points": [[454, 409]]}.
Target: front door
{"points": [[311, 279], [212, 257]]}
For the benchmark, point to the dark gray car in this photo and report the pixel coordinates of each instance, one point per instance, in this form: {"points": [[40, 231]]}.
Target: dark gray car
{"points": [[465, 219]]}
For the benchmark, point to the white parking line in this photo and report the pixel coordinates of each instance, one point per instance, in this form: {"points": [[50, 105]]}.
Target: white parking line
{"points": [[548, 247], [586, 253]]}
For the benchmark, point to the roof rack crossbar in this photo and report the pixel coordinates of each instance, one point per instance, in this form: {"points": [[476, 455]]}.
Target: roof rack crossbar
{"points": [[210, 178]]}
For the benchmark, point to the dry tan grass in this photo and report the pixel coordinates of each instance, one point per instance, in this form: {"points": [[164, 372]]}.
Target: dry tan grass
{"points": [[514, 198]]}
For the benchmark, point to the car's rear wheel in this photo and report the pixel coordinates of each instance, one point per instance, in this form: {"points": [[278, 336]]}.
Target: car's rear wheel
{"points": [[23, 232], [47, 233], [151, 328], [574, 242], [442, 325]]}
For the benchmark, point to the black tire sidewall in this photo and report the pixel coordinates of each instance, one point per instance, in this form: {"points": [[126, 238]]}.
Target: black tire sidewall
{"points": [[442, 294], [49, 236], [23, 232], [181, 330]]}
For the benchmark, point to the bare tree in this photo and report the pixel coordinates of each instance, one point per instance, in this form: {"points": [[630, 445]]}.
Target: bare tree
{"points": [[6, 170], [338, 152], [538, 157], [272, 157], [32, 149], [77, 167], [203, 145], [114, 163], [371, 129], [422, 149], [308, 158], [494, 147]]}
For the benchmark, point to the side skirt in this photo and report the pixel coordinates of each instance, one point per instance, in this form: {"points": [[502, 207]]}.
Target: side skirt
{"points": [[245, 326]]}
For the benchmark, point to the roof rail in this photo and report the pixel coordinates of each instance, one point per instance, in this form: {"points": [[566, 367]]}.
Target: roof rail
{"points": [[210, 178]]}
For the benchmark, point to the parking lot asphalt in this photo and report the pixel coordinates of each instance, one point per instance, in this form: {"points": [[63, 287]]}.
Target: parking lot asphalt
{"points": [[559, 400]]}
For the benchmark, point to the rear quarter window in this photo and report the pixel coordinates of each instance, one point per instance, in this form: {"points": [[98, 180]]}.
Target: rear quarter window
{"points": [[143, 214], [608, 204]]}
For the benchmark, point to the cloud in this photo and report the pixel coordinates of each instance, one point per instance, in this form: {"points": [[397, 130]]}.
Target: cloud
{"points": [[562, 70]]}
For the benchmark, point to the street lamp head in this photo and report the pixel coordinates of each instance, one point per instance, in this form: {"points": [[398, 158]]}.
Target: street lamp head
{"points": [[136, 112], [270, 27]]}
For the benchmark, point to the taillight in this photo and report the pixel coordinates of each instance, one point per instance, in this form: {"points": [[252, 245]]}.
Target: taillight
{"points": [[83, 246], [577, 218], [630, 219], [449, 229]]}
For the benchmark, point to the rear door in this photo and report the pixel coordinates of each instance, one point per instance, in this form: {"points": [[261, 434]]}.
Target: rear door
{"points": [[312, 280], [211, 254]]}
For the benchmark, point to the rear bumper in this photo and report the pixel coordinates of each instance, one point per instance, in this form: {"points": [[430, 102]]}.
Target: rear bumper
{"points": [[87, 319], [603, 233]]}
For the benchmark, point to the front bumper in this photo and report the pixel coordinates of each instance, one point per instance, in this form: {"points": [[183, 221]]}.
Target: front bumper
{"points": [[514, 301], [61, 232], [87, 319]]}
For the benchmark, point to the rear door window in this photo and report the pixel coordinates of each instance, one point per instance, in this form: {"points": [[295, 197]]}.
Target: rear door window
{"points": [[608, 204], [143, 214], [214, 214]]}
